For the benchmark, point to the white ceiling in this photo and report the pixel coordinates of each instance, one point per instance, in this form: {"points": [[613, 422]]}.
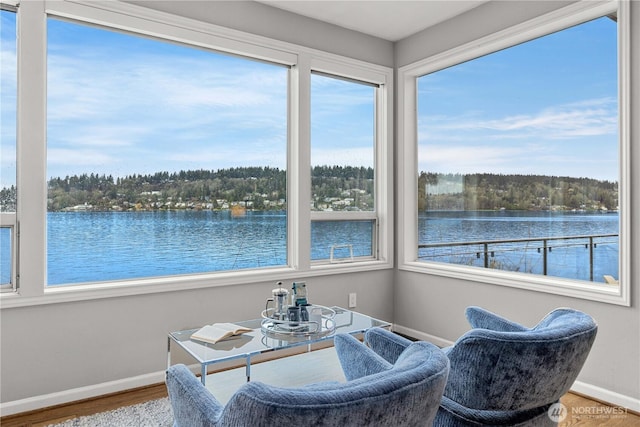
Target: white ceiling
{"points": [[389, 20]]}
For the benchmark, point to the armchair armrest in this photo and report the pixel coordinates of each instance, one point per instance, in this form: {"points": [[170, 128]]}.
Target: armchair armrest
{"points": [[484, 319], [193, 405], [386, 343], [358, 360]]}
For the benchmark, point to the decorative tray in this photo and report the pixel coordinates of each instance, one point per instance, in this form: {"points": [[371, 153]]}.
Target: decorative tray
{"points": [[315, 327]]}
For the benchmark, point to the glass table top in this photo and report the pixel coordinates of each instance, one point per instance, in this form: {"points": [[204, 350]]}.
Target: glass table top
{"points": [[256, 342]]}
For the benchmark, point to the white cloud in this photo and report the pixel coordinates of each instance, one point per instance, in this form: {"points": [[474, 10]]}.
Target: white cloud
{"points": [[586, 118], [135, 110], [579, 160], [469, 158], [155, 108], [102, 135], [156, 87], [78, 157]]}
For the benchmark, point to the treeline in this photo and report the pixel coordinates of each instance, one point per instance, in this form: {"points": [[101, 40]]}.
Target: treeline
{"points": [[335, 182], [260, 188], [514, 192], [92, 181], [164, 190], [333, 187], [8, 199]]}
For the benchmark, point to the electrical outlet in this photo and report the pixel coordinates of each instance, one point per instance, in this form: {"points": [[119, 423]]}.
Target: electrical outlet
{"points": [[352, 300]]}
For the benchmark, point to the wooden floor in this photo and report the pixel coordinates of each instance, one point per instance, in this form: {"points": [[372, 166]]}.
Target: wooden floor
{"points": [[581, 411], [60, 413]]}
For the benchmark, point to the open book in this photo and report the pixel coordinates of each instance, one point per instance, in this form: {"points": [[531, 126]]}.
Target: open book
{"points": [[218, 332]]}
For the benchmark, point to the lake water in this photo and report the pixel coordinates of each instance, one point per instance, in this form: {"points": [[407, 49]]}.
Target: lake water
{"points": [[103, 246], [99, 246]]}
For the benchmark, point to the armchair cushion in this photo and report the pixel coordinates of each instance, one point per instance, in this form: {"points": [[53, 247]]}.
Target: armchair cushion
{"points": [[386, 343], [357, 360]]}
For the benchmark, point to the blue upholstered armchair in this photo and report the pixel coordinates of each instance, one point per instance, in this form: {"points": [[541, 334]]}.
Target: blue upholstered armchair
{"points": [[376, 393], [502, 373]]}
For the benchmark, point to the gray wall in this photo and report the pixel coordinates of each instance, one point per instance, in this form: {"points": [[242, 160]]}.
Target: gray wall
{"points": [[57, 347], [435, 305]]}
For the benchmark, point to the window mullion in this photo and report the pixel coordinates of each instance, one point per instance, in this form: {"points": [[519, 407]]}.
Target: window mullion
{"points": [[31, 147], [299, 166], [383, 172]]}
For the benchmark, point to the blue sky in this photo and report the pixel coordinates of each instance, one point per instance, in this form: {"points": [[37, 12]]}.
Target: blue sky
{"points": [[545, 107], [7, 99], [342, 122], [121, 104]]}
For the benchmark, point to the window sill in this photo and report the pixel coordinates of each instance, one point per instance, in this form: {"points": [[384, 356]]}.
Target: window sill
{"points": [[95, 291], [548, 284], [348, 267]]}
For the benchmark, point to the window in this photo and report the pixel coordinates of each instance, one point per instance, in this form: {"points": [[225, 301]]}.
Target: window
{"points": [[342, 169], [158, 153], [518, 159], [8, 105], [162, 159]]}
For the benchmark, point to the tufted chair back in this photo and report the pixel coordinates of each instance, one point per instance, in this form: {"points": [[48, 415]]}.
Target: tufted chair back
{"points": [[505, 373]]}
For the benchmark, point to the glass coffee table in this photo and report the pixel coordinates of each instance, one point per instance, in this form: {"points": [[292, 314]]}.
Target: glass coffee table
{"points": [[262, 340]]}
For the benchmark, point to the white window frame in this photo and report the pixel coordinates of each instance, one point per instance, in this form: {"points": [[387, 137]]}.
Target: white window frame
{"points": [[382, 162], [32, 153], [9, 219], [560, 19]]}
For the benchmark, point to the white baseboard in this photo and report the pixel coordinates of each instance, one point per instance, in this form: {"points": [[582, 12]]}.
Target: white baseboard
{"points": [[72, 395], [588, 390], [606, 396], [440, 342]]}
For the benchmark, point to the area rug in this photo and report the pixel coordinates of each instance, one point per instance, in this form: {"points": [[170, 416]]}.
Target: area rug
{"points": [[154, 413], [293, 371]]}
